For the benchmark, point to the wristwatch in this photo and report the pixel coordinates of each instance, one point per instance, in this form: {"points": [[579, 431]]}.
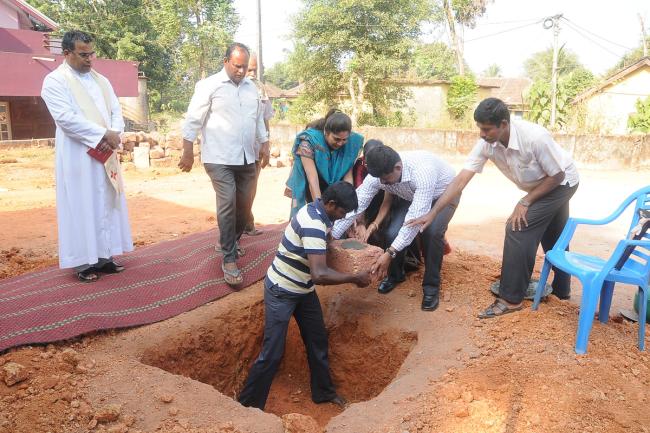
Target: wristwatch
{"points": [[391, 252], [524, 202]]}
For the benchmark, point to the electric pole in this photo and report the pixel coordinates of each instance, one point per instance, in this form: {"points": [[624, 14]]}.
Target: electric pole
{"points": [[554, 23], [260, 63], [644, 38]]}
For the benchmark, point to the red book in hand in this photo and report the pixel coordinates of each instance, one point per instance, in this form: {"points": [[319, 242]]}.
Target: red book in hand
{"points": [[99, 155]]}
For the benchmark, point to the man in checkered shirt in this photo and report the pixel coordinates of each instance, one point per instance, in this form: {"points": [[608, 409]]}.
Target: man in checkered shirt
{"points": [[415, 179]]}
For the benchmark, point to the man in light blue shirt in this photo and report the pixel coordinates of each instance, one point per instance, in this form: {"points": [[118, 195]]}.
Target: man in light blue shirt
{"points": [[226, 109]]}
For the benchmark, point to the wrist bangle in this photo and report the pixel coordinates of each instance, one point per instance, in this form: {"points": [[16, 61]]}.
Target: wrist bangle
{"points": [[524, 202]]}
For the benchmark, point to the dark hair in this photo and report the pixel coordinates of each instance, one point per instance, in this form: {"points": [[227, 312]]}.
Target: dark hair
{"points": [[492, 111], [236, 46], [371, 144], [343, 194], [69, 39], [335, 121], [381, 160]]}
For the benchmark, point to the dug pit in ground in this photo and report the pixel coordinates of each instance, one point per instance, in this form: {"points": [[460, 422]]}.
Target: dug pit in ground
{"points": [[185, 371], [220, 354]]}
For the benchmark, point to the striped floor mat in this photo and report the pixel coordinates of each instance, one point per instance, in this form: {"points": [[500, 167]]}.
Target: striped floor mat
{"points": [[160, 281]]}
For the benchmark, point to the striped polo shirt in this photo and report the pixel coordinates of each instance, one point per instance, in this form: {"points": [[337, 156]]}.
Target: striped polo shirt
{"points": [[305, 234]]}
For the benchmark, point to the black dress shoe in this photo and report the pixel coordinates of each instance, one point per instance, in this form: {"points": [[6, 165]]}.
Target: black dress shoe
{"points": [[430, 302], [387, 285]]}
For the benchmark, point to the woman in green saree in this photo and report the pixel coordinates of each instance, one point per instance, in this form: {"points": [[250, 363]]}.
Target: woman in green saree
{"points": [[323, 153]]}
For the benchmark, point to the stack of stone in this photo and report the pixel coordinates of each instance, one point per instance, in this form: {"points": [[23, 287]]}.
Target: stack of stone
{"points": [[154, 149], [279, 158]]}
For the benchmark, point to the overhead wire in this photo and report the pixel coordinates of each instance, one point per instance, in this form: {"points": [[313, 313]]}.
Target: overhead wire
{"points": [[594, 34], [575, 29], [503, 31]]}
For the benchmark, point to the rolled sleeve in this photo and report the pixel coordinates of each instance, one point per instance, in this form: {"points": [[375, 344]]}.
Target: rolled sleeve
{"points": [[421, 204], [477, 158], [549, 155], [365, 193]]}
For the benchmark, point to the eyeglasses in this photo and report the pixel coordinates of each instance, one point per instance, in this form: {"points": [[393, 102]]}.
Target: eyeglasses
{"points": [[86, 55]]}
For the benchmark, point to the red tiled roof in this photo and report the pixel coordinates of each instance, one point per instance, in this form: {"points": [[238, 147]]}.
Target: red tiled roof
{"points": [[509, 90], [22, 74]]}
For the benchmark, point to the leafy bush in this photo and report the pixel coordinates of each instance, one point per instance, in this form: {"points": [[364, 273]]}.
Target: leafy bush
{"points": [[640, 121], [461, 95]]}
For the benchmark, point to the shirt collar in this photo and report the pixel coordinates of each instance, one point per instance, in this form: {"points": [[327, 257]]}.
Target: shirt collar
{"points": [[320, 208], [224, 78], [513, 142], [406, 172]]}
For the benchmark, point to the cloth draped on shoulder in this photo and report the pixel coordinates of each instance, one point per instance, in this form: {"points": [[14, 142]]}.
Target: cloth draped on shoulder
{"points": [[90, 111], [332, 165]]}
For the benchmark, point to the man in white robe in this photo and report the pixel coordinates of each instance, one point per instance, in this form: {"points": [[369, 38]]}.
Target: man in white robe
{"points": [[92, 215]]}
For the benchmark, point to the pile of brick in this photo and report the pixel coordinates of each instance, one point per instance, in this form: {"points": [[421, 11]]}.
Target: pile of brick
{"points": [[154, 149], [279, 158]]}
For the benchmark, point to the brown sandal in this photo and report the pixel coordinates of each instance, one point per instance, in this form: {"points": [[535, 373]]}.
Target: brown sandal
{"points": [[498, 308]]}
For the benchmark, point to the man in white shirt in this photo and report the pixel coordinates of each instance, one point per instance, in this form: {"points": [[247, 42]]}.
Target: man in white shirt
{"points": [[93, 221], [415, 180], [226, 109], [527, 155], [267, 114]]}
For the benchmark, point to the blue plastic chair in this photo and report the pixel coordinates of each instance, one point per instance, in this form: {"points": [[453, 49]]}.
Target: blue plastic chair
{"points": [[629, 264]]}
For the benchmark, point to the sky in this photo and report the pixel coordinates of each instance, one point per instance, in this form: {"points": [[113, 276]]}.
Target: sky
{"points": [[598, 31]]}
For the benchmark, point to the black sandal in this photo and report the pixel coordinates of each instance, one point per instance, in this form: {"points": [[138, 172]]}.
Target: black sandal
{"points": [[111, 268], [88, 275]]}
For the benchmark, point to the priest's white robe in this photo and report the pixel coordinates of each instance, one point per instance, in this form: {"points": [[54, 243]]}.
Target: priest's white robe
{"points": [[92, 218]]}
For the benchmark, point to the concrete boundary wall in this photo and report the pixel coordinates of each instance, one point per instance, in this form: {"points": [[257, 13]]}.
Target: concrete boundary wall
{"points": [[600, 151], [604, 151]]}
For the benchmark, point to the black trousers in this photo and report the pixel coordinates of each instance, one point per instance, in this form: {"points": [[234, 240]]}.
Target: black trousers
{"points": [[250, 223], [546, 220], [279, 306], [432, 243], [232, 185]]}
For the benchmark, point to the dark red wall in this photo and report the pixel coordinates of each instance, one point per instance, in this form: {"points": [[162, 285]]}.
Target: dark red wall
{"points": [[29, 117]]}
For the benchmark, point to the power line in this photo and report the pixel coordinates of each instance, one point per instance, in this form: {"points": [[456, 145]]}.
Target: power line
{"points": [[618, 55], [594, 34], [503, 31], [508, 22]]}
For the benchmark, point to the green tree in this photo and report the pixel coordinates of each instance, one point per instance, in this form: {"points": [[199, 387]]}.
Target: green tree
{"points": [[461, 95], [492, 71], [628, 59], [461, 13], [176, 42], [196, 33], [539, 66], [352, 47], [434, 60], [577, 82], [640, 121], [281, 74]]}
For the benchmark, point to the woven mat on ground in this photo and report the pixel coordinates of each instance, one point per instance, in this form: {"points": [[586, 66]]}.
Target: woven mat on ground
{"points": [[160, 281]]}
